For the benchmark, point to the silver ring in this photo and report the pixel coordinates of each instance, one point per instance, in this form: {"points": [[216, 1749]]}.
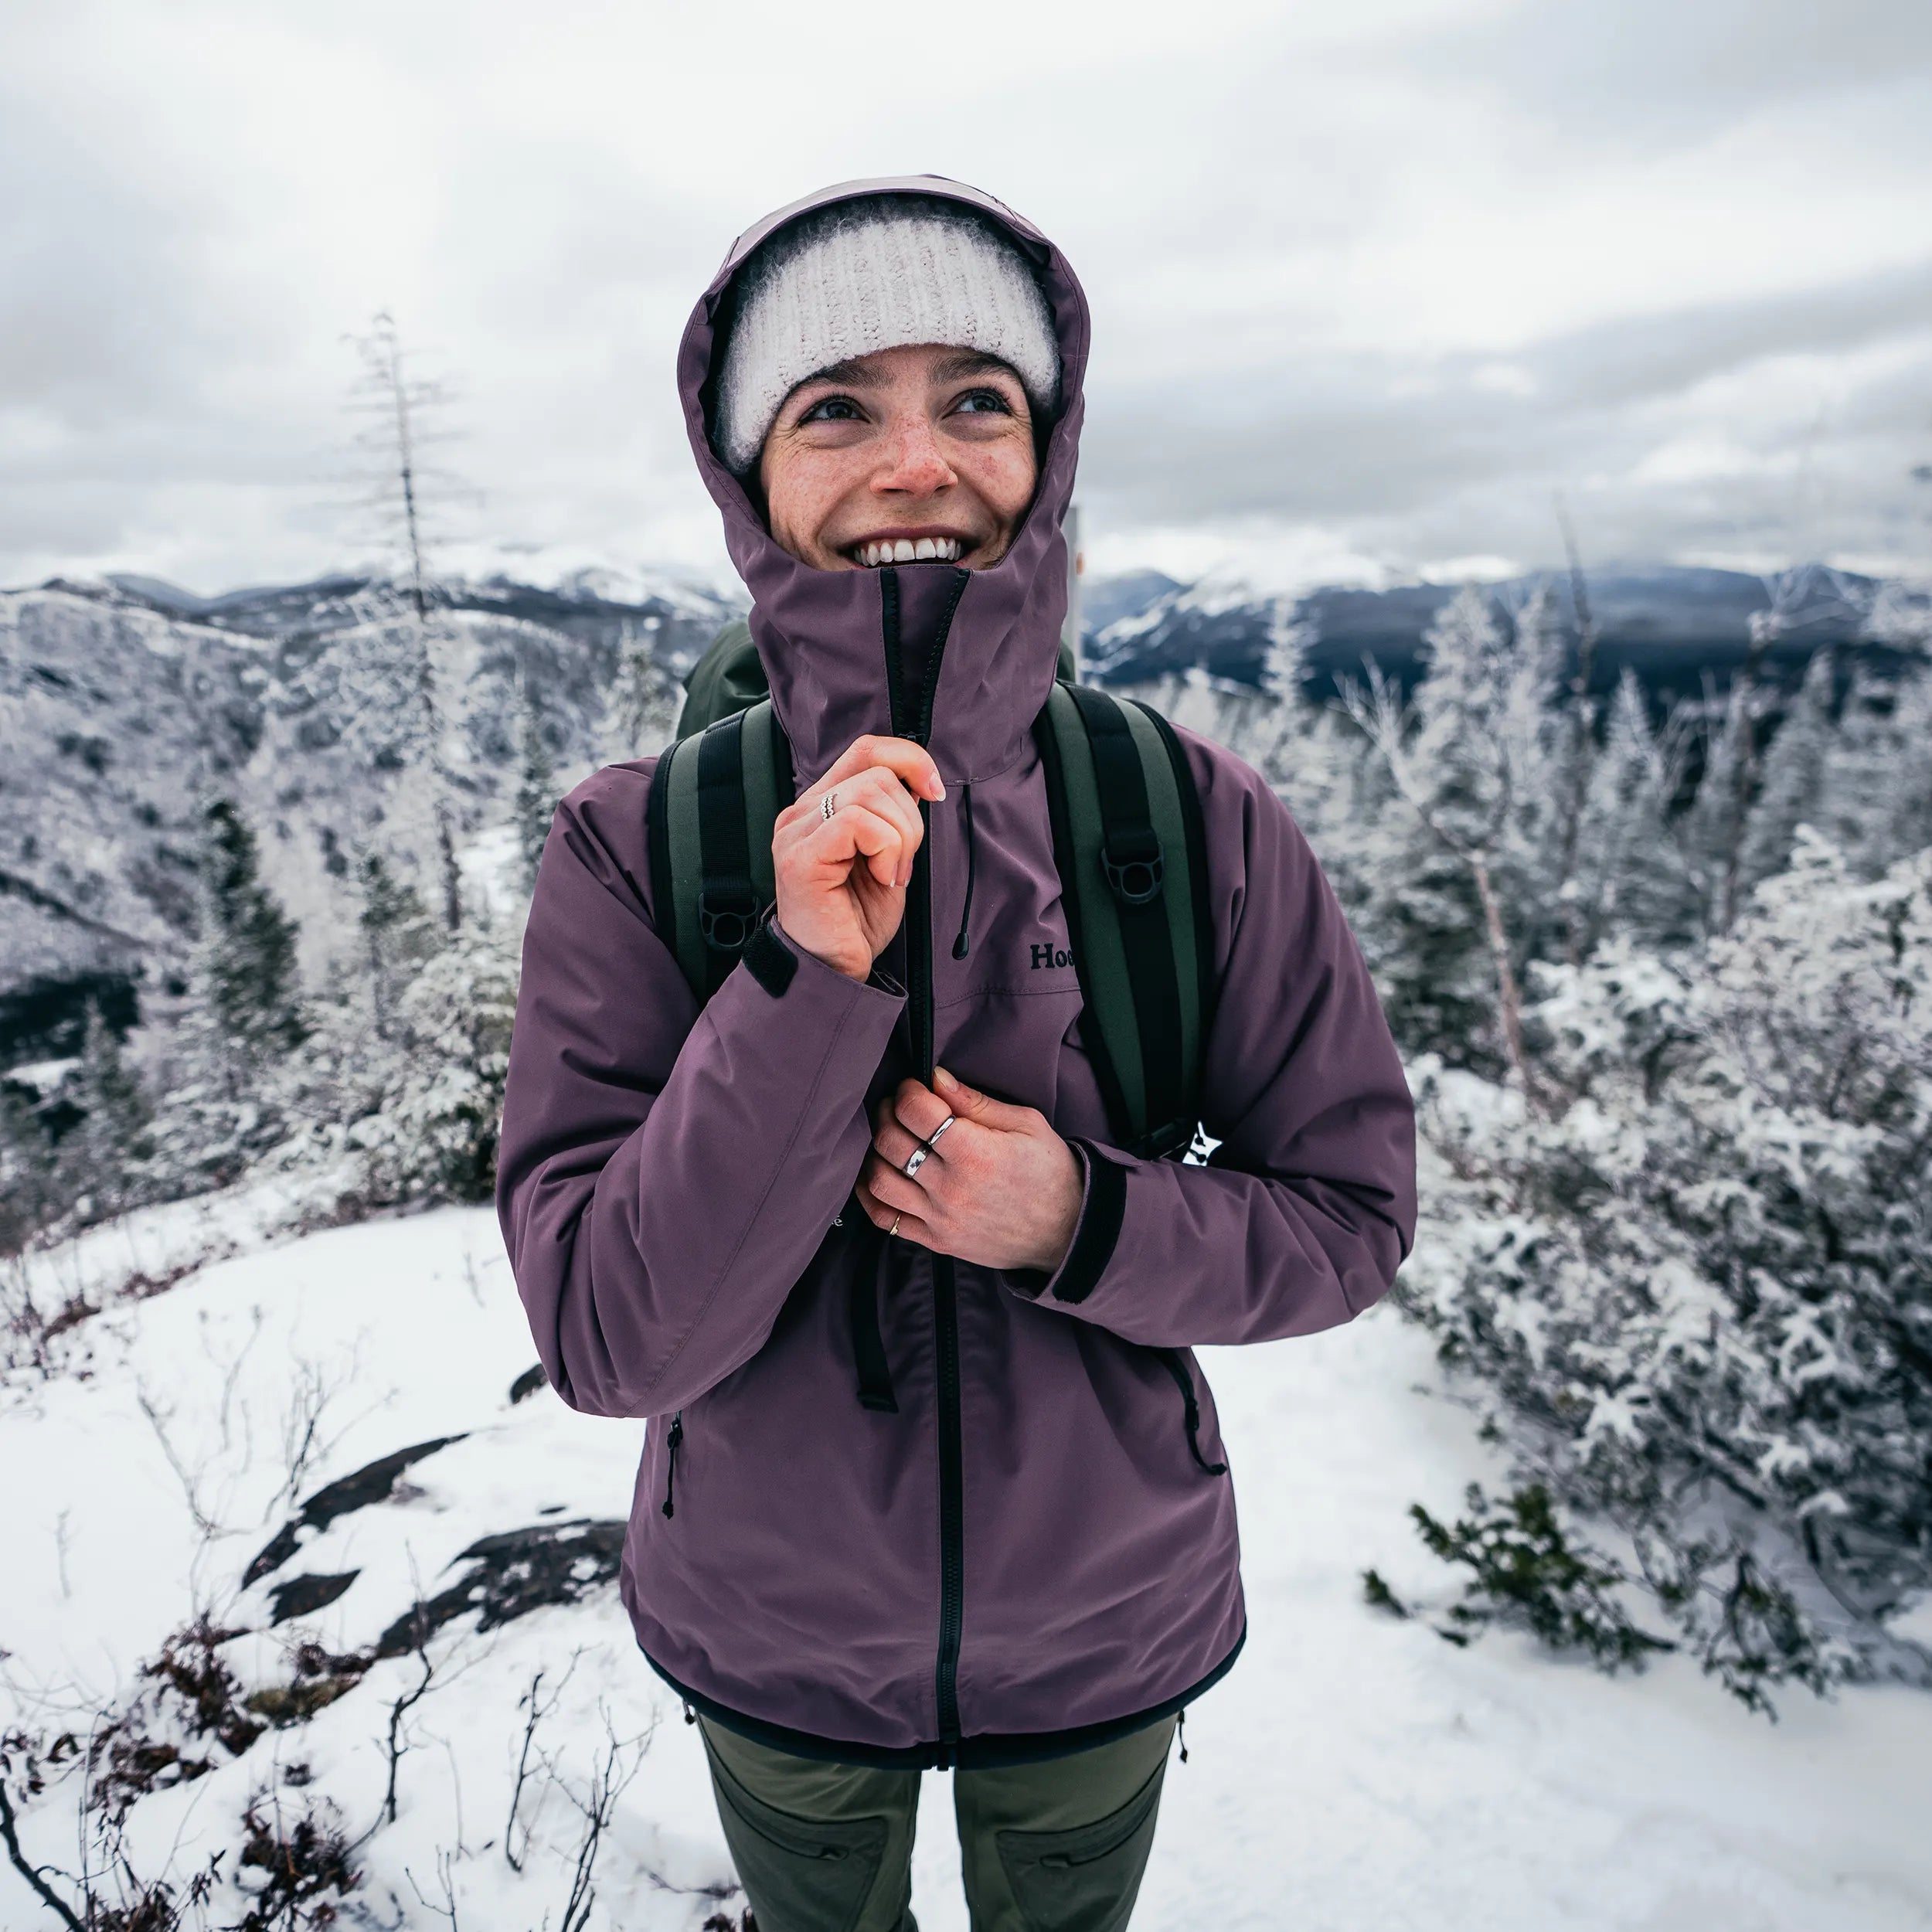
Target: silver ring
{"points": [[828, 804], [939, 1130], [916, 1159]]}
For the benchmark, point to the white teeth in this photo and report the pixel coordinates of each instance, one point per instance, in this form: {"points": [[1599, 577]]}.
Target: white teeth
{"points": [[944, 549]]}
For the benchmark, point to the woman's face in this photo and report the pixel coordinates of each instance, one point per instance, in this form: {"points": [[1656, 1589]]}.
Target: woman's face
{"points": [[905, 454]]}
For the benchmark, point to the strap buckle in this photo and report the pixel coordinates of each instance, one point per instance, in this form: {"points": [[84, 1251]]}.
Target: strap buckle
{"points": [[1131, 858], [727, 916]]}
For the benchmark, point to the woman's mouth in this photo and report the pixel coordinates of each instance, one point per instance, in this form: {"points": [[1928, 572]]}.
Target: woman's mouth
{"points": [[875, 551]]}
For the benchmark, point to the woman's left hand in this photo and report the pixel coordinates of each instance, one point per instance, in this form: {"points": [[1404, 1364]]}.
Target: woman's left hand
{"points": [[999, 1188]]}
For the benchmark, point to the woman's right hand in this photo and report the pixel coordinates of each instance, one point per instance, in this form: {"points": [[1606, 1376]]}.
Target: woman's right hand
{"points": [[842, 880]]}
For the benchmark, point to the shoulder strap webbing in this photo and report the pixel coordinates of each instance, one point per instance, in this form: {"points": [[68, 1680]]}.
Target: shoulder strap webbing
{"points": [[714, 799], [1129, 841]]}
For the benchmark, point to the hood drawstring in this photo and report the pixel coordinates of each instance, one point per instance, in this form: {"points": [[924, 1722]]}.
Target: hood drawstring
{"points": [[965, 911]]}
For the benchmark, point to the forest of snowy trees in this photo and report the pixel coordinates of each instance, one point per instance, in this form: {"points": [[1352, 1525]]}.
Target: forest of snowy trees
{"points": [[1664, 984]]}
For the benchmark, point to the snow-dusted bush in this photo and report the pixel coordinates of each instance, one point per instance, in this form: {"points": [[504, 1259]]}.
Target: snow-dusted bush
{"points": [[1706, 1284], [432, 1131]]}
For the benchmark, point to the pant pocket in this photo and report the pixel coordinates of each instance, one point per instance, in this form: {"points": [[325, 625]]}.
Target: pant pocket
{"points": [[1084, 1880], [801, 1874]]}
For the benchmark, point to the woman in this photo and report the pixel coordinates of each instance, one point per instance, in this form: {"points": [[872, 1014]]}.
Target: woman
{"points": [[1021, 1559]]}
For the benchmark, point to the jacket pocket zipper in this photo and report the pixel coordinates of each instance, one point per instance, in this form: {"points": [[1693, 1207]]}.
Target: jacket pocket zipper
{"points": [[670, 1442], [1175, 1364]]}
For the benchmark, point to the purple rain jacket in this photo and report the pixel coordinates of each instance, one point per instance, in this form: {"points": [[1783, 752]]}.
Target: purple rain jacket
{"points": [[1029, 1545]]}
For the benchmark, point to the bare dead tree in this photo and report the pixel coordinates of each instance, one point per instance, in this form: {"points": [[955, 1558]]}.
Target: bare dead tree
{"points": [[537, 1711], [11, 1747], [445, 1860], [608, 1781], [402, 412], [1582, 734]]}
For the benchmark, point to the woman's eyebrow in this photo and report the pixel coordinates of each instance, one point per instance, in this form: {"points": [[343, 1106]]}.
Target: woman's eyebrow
{"points": [[851, 374], [973, 363]]}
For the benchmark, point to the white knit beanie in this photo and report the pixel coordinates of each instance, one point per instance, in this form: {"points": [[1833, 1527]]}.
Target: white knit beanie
{"points": [[883, 273]]}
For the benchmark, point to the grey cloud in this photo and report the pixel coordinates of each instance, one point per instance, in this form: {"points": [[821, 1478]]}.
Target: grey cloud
{"points": [[1362, 437], [1628, 71]]}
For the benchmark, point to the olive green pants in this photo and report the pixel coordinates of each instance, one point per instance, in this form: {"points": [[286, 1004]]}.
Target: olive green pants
{"points": [[1058, 1846]]}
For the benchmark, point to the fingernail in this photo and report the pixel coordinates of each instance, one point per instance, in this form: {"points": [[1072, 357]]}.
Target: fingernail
{"points": [[942, 1078], [939, 789]]}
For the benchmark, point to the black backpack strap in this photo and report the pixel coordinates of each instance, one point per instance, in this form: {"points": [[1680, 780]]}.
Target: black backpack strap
{"points": [[1128, 841], [714, 800]]}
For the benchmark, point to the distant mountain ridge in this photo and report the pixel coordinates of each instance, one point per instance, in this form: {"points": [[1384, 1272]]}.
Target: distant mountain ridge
{"points": [[1670, 624], [124, 702]]}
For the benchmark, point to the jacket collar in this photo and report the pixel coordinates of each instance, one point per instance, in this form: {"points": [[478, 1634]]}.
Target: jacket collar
{"points": [[821, 634]]}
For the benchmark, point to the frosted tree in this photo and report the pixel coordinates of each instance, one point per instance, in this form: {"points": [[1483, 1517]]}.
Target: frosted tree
{"points": [[234, 1056], [432, 1133], [398, 936], [1472, 760], [107, 1154], [1628, 872], [400, 410], [1702, 1290], [1579, 748], [1791, 779], [640, 711], [1874, 799], [536, 794], [246, 973]]}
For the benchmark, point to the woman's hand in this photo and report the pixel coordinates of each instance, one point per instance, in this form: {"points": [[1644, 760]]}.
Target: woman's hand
{"points": [[842, 880], [1000, 1188]]}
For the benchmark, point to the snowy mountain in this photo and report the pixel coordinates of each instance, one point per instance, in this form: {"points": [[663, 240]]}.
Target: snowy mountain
{"points": [[124, 704], [1669, 625]]}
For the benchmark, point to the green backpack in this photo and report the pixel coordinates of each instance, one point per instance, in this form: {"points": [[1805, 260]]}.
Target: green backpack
{"points": [[1128, 841]]}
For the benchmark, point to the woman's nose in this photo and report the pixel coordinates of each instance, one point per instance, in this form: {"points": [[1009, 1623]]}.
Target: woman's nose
{"points": [[915, 464]]}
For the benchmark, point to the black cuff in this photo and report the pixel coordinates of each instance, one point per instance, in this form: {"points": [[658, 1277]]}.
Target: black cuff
{"points": [[769, 960], [1099, 1228]]}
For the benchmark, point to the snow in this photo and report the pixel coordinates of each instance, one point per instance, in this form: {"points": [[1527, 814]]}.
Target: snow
{"points": [[1354, 1770]]}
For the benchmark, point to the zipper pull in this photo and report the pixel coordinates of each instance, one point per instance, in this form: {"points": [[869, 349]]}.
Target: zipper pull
{"points": [[671, 1460]]}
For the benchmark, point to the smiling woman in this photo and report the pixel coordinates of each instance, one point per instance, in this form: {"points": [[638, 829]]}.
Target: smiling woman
{"points": [[909, 455], [869, 1228]]}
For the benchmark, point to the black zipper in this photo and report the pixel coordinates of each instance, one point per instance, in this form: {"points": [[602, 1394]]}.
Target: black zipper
{"points": [[919, 986], [1175, 1364], [670, 1442]]}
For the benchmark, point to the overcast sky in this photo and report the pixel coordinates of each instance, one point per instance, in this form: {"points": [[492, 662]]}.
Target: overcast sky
{"points": [[1372, 280]]}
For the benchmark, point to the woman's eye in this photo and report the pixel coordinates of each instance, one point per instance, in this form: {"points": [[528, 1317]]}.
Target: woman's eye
{"points": [[833, 409], [978, 402]]}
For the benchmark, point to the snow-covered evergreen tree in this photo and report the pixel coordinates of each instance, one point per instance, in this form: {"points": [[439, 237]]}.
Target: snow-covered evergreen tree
{"points": [[246, 969], [107, 1156], [1466, 885], [432, 1132], [1629, 874], [640, 711], [1874, 800], [536, 793], [398, 935], [1791, 775], [229, 1063], [1704, 1290]]}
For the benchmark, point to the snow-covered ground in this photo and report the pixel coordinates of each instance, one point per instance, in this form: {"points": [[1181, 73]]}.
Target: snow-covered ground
{"points": [[1353, 1772]]}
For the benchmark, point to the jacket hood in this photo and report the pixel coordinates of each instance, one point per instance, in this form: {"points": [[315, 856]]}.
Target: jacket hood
{"points": [[823, 635]]}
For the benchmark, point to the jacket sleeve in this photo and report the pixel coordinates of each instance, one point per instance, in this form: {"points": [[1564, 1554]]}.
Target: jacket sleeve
{"points": [[665, 1174], [1303, 1213]]}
